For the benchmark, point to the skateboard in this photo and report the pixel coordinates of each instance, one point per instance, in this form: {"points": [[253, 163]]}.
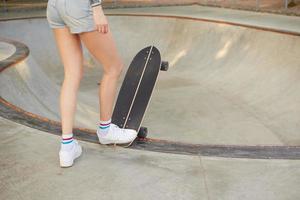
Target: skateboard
{"points": [[136, 90]]}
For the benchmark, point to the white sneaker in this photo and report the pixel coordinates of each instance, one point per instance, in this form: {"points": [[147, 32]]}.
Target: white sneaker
{"points": [[67, 158], [117, 135]]}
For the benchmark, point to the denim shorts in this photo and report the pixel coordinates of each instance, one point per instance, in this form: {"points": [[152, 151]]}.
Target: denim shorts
{"points": [[77, 15]]}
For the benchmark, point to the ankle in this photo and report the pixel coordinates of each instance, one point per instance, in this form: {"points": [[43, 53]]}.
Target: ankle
{"points": [[67, 142], [104, 126]]}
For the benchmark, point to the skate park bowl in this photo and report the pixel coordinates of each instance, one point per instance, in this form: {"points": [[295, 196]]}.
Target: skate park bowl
{"points": [[231, 90]]}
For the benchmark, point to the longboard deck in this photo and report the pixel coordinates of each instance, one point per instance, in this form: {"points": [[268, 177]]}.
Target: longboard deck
{"points": [[137, 88], [144, 93]]}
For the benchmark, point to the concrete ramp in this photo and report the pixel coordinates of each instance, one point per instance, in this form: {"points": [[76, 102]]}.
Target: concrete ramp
{"points": [[227, 84]]}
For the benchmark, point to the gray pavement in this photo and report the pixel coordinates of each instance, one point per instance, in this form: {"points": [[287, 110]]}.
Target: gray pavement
{"points": [[30, 170]]}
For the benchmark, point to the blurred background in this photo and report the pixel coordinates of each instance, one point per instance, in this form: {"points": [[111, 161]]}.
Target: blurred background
{"points": [[286, 7]]}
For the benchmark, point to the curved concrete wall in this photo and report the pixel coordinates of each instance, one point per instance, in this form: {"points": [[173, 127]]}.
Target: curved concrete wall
{"points": [[226, 85]]}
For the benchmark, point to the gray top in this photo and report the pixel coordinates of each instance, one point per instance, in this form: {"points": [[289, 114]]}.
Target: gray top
{"points": [[95, 2]]}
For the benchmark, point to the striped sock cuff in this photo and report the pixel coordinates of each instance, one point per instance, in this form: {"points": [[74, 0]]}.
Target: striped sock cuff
{"points": [[67, 139], [104, 124]]}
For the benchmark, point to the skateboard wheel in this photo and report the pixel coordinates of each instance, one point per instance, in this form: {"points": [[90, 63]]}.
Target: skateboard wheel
{"points": [[164, 66], [143, 132]]}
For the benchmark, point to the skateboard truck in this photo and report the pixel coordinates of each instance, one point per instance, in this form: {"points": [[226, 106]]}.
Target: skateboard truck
{"points": [[164, 66], [143, 132]]}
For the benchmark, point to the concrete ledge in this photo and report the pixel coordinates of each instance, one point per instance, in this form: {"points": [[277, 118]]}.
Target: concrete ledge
{"points": [[22, 51]]}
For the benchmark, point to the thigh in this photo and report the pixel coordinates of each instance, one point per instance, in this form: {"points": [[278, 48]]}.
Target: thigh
{"points": [[70, 50], [103, 48]]}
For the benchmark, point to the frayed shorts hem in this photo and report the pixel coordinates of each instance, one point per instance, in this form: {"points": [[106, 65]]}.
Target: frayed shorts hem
{"points": [[81, 30], [73, 30]]}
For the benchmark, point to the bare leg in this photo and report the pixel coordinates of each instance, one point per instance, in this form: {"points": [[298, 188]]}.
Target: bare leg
{"points": [[103, 48], [71, 55]]}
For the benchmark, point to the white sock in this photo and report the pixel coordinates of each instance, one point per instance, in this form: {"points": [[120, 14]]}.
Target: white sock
{"points": [[104, 126], [67, 142]]}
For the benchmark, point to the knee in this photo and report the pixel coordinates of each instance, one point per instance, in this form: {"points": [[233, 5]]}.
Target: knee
{"points": [[115, 70]]}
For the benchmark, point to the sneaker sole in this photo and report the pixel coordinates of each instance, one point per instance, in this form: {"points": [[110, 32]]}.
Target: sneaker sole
{"points": [[125, 145], [111, 142]]}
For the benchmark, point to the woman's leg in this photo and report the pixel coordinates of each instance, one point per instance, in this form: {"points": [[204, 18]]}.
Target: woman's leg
{"points": [[71, 55], [103, 48]]}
